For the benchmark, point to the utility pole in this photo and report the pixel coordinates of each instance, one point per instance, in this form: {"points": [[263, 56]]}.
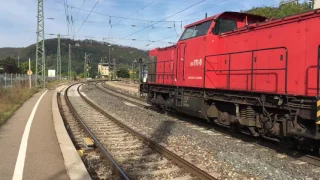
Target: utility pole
{"points": [[109, 63], [85, 66], [69, 63], [18, 61], [40, 48], [114, 68], [59, 59], [88, 66], [29, 75]]}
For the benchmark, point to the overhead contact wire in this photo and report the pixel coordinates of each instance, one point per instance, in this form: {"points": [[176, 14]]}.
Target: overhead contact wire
{"points": [[87, 17], [163, 19], [130, 16], [102, 14]]}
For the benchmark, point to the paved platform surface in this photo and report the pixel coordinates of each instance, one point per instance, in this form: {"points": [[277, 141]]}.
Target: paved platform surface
{"points": [[43, 158]]}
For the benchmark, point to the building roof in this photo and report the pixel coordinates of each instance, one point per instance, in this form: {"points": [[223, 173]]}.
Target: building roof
{"points": [[106, 64]]}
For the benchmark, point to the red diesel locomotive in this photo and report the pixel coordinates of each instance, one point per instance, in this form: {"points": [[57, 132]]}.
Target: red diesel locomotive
{"points": [[244, 72]]}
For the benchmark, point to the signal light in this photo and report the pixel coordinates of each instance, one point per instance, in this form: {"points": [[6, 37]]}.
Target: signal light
{"points": [[89, 59]]}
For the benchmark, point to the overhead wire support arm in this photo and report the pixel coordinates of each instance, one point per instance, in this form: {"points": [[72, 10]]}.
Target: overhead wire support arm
{"points": [[69, 64], [59, 59], [67, 15]]}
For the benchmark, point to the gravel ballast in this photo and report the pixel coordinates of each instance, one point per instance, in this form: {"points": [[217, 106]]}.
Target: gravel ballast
{"points": [[96, 166], [223, 156], [137, 161]]}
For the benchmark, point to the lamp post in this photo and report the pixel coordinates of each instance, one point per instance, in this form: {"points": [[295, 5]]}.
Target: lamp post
{"points": [[109, 62], [135, 61]]}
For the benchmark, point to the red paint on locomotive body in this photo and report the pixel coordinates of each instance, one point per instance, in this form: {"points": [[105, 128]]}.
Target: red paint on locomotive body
{"points": [[243, 52]]}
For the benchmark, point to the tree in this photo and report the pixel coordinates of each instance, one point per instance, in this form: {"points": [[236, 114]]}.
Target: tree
{"points": [[285, 9], [123, 54], [81, 75], [24, 67], [9, 65], [123, 73]]}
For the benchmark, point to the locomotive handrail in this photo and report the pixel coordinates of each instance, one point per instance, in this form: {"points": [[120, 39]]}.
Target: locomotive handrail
{"points": [[252, 65], [277, 22], [177, 60], [307, 79], [157, 62], [318, 71], [184, 60]]}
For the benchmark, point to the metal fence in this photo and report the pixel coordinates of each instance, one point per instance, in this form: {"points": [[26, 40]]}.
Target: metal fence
{"points": [[16, 80], [20, 80]]}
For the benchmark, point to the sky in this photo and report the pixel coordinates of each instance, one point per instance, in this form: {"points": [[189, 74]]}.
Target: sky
{"points": [[144, 24]]}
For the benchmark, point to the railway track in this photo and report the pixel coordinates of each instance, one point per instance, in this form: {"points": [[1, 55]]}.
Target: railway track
{"points": [[134, 99], [313, 159], [131, 154]]}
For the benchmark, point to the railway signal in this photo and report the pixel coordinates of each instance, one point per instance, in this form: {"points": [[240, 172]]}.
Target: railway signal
{"points": [[89, 59]]}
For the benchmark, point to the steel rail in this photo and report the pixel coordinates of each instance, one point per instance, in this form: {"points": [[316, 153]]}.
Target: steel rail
{"points": [[122, 93], [115, 167], [153, 145], [311, 159]]}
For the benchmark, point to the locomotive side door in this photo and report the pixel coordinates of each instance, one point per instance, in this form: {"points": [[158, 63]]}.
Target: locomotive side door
{"points": [[191, 53], [180, 61]]}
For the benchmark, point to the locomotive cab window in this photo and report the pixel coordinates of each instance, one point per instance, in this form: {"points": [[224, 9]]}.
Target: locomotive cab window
{"points": [[224, 25], [196, 30]]}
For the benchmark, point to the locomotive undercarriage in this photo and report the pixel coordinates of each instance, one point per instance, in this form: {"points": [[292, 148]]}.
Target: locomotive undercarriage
{"points": [[274, 117]]}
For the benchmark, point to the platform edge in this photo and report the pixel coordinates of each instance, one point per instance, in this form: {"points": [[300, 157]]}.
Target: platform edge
{"points": [[73, 163]]}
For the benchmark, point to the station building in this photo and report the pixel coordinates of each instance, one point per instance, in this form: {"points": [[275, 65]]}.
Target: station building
{"points": [[104, 70], [316, 4]]}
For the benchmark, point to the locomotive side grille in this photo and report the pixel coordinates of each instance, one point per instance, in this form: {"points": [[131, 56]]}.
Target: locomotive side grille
{"points": [[152, 69]]}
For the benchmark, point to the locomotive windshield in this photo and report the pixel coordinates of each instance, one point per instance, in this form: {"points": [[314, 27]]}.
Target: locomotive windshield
{"points": [[196, 30], [224, 25]]}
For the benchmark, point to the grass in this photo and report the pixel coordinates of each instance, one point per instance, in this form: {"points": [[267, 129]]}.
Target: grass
{"points": [[11, 99]]}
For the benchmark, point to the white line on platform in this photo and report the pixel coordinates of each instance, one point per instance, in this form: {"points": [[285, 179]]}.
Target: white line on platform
{"points": [[18, 170]]}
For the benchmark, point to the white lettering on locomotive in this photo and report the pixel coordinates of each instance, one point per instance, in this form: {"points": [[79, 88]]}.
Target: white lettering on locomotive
{"points": [[196, 62], [194, 77]]}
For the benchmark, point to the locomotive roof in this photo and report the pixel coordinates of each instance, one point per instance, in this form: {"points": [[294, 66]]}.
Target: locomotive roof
{"points": [[230, 13]]}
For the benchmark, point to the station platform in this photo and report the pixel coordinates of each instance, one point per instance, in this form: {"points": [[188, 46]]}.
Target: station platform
{"points": [[35, 145]]}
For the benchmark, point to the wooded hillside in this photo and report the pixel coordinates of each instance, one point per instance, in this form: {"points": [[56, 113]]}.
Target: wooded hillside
{"points": [[123, 55], [283, 10]]}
